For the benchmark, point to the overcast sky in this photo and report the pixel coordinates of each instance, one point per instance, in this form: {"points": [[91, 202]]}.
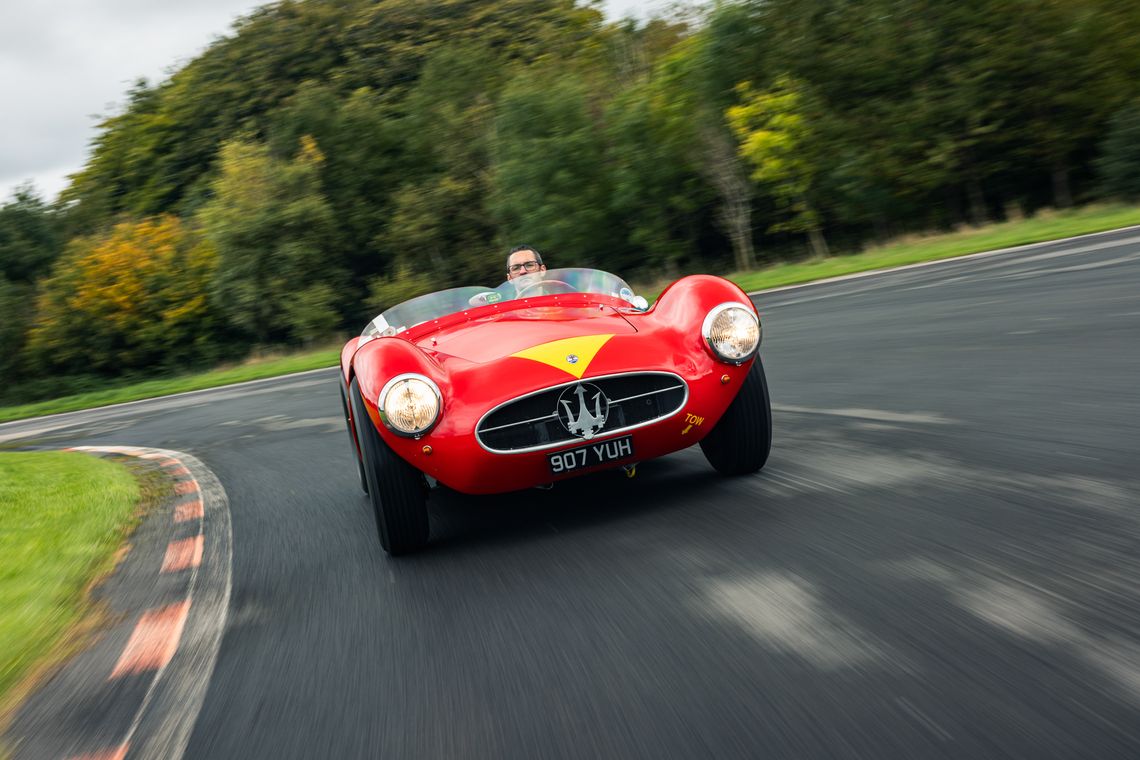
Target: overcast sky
{"points": [[63, 63]]}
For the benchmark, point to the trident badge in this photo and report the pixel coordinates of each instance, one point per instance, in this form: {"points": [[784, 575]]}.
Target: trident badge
{"points": [[592, 409]]}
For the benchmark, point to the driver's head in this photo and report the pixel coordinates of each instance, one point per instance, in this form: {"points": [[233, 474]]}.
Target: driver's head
{"points": [[523, 259]]}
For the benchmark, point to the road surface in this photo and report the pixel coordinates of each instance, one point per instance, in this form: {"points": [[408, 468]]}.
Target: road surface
{"points": [[941, 558]]}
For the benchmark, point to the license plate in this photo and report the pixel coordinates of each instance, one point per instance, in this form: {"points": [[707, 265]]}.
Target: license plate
{"points": [[591, 455]]}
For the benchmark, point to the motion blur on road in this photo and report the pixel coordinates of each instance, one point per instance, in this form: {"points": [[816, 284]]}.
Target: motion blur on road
{"points": [[941, 556], [938, 561], [326, 160]]}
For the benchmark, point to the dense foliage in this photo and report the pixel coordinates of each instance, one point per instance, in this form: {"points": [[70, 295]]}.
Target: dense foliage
{"points": [[134, 297], [331, 157], [1119, 163]]}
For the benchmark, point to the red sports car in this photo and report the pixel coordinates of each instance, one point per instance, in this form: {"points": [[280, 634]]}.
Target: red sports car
{"points": [[546, 377]]}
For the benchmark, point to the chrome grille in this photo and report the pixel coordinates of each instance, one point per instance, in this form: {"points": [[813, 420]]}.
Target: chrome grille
{"points": [[530, 422]]}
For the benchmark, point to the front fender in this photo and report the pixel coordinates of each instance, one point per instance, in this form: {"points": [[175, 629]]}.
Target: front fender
{"points": [[689, 299], [381, 359]]}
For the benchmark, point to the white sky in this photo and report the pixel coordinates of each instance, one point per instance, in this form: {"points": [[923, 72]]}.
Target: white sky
{"points": [[64, 63]]}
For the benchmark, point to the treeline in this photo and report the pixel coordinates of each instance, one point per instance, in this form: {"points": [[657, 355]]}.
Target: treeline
{"points": [[332, 157]]}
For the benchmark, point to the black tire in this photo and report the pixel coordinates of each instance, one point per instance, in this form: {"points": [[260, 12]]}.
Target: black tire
{"points": [[352, 439], [742, 438], [398, 491]]}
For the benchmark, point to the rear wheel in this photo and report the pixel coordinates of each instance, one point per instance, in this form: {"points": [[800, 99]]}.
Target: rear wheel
{"points": [[742, 439], [398, 491], [352, 440]]}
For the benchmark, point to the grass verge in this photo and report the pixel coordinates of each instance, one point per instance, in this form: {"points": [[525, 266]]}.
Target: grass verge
{"points": [[64, 516], [1043, 227], [253, 370]]}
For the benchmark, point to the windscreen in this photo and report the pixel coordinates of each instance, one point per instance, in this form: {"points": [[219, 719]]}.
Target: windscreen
{"points": [[551, 282]]}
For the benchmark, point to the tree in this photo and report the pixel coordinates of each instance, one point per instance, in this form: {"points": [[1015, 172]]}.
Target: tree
{"points": [[14, 320], [29, 236], [440, 222], [1119, 162], [158, 154], [657, 197], [548, 177], [899, 98], [391, 41], [1027, 70], [134, 298], [776, 137], [453, 127], [689, 80], [363, 141], [270, 224]]}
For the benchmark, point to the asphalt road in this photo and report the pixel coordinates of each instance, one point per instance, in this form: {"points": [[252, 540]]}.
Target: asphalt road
{"points": [[941, 558]]}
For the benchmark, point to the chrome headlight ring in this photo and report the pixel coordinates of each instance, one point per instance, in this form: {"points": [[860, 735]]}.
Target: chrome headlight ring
{"points": [[401, 415], [732, 332]]}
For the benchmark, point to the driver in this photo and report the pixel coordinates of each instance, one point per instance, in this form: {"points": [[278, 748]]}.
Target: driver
{"points": [[522, 260]]}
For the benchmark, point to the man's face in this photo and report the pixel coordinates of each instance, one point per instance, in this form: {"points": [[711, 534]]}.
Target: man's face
{"points": [[523, 262]]}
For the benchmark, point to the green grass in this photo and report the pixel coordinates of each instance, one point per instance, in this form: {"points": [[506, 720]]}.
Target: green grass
{"points": [[1044, 226], [62, 517], [1048, 226], [255, 370]]}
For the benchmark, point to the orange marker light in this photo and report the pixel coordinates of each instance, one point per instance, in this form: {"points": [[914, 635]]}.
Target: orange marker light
{"points": [[427, 451], [724, 379]]}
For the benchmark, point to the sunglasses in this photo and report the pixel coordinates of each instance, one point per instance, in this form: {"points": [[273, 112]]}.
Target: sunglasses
{"points": [[530, 266]]}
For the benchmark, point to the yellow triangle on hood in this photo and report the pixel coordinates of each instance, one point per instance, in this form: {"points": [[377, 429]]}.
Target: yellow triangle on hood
{"points": [[571, 355]]}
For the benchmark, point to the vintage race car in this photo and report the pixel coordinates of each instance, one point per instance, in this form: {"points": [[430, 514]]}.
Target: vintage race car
{"points": [[546, 377]]}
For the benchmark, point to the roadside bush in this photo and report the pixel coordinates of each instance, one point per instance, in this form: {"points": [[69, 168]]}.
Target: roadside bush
{"points": [[132, 299]]}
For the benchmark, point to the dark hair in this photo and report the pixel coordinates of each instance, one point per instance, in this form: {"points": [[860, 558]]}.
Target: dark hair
{"points": [[531, 248]]}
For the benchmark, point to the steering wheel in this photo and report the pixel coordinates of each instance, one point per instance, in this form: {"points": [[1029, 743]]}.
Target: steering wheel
{"points": [[561, 287]]}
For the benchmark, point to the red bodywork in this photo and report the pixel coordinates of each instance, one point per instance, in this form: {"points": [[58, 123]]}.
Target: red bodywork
{"points": [[469, 356]]}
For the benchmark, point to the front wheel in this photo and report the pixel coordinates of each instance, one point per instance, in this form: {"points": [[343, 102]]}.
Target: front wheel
{"points": [[742, 439], [398, 491], [352, 440]]}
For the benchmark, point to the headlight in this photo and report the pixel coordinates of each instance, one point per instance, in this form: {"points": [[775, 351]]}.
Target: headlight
{"points": [[732, 331], [409, 405]]}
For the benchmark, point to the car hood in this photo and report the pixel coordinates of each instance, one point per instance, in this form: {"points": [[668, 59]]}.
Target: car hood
{"points": [[495, 336]]}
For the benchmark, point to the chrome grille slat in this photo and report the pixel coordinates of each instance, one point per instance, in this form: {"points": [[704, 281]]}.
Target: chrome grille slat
{"points": [[640, 395], [553, 415], [519, 425]]}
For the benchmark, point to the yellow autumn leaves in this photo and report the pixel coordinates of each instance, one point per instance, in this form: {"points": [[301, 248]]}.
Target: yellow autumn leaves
{"points": [[125, 298], [777, 140]]}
